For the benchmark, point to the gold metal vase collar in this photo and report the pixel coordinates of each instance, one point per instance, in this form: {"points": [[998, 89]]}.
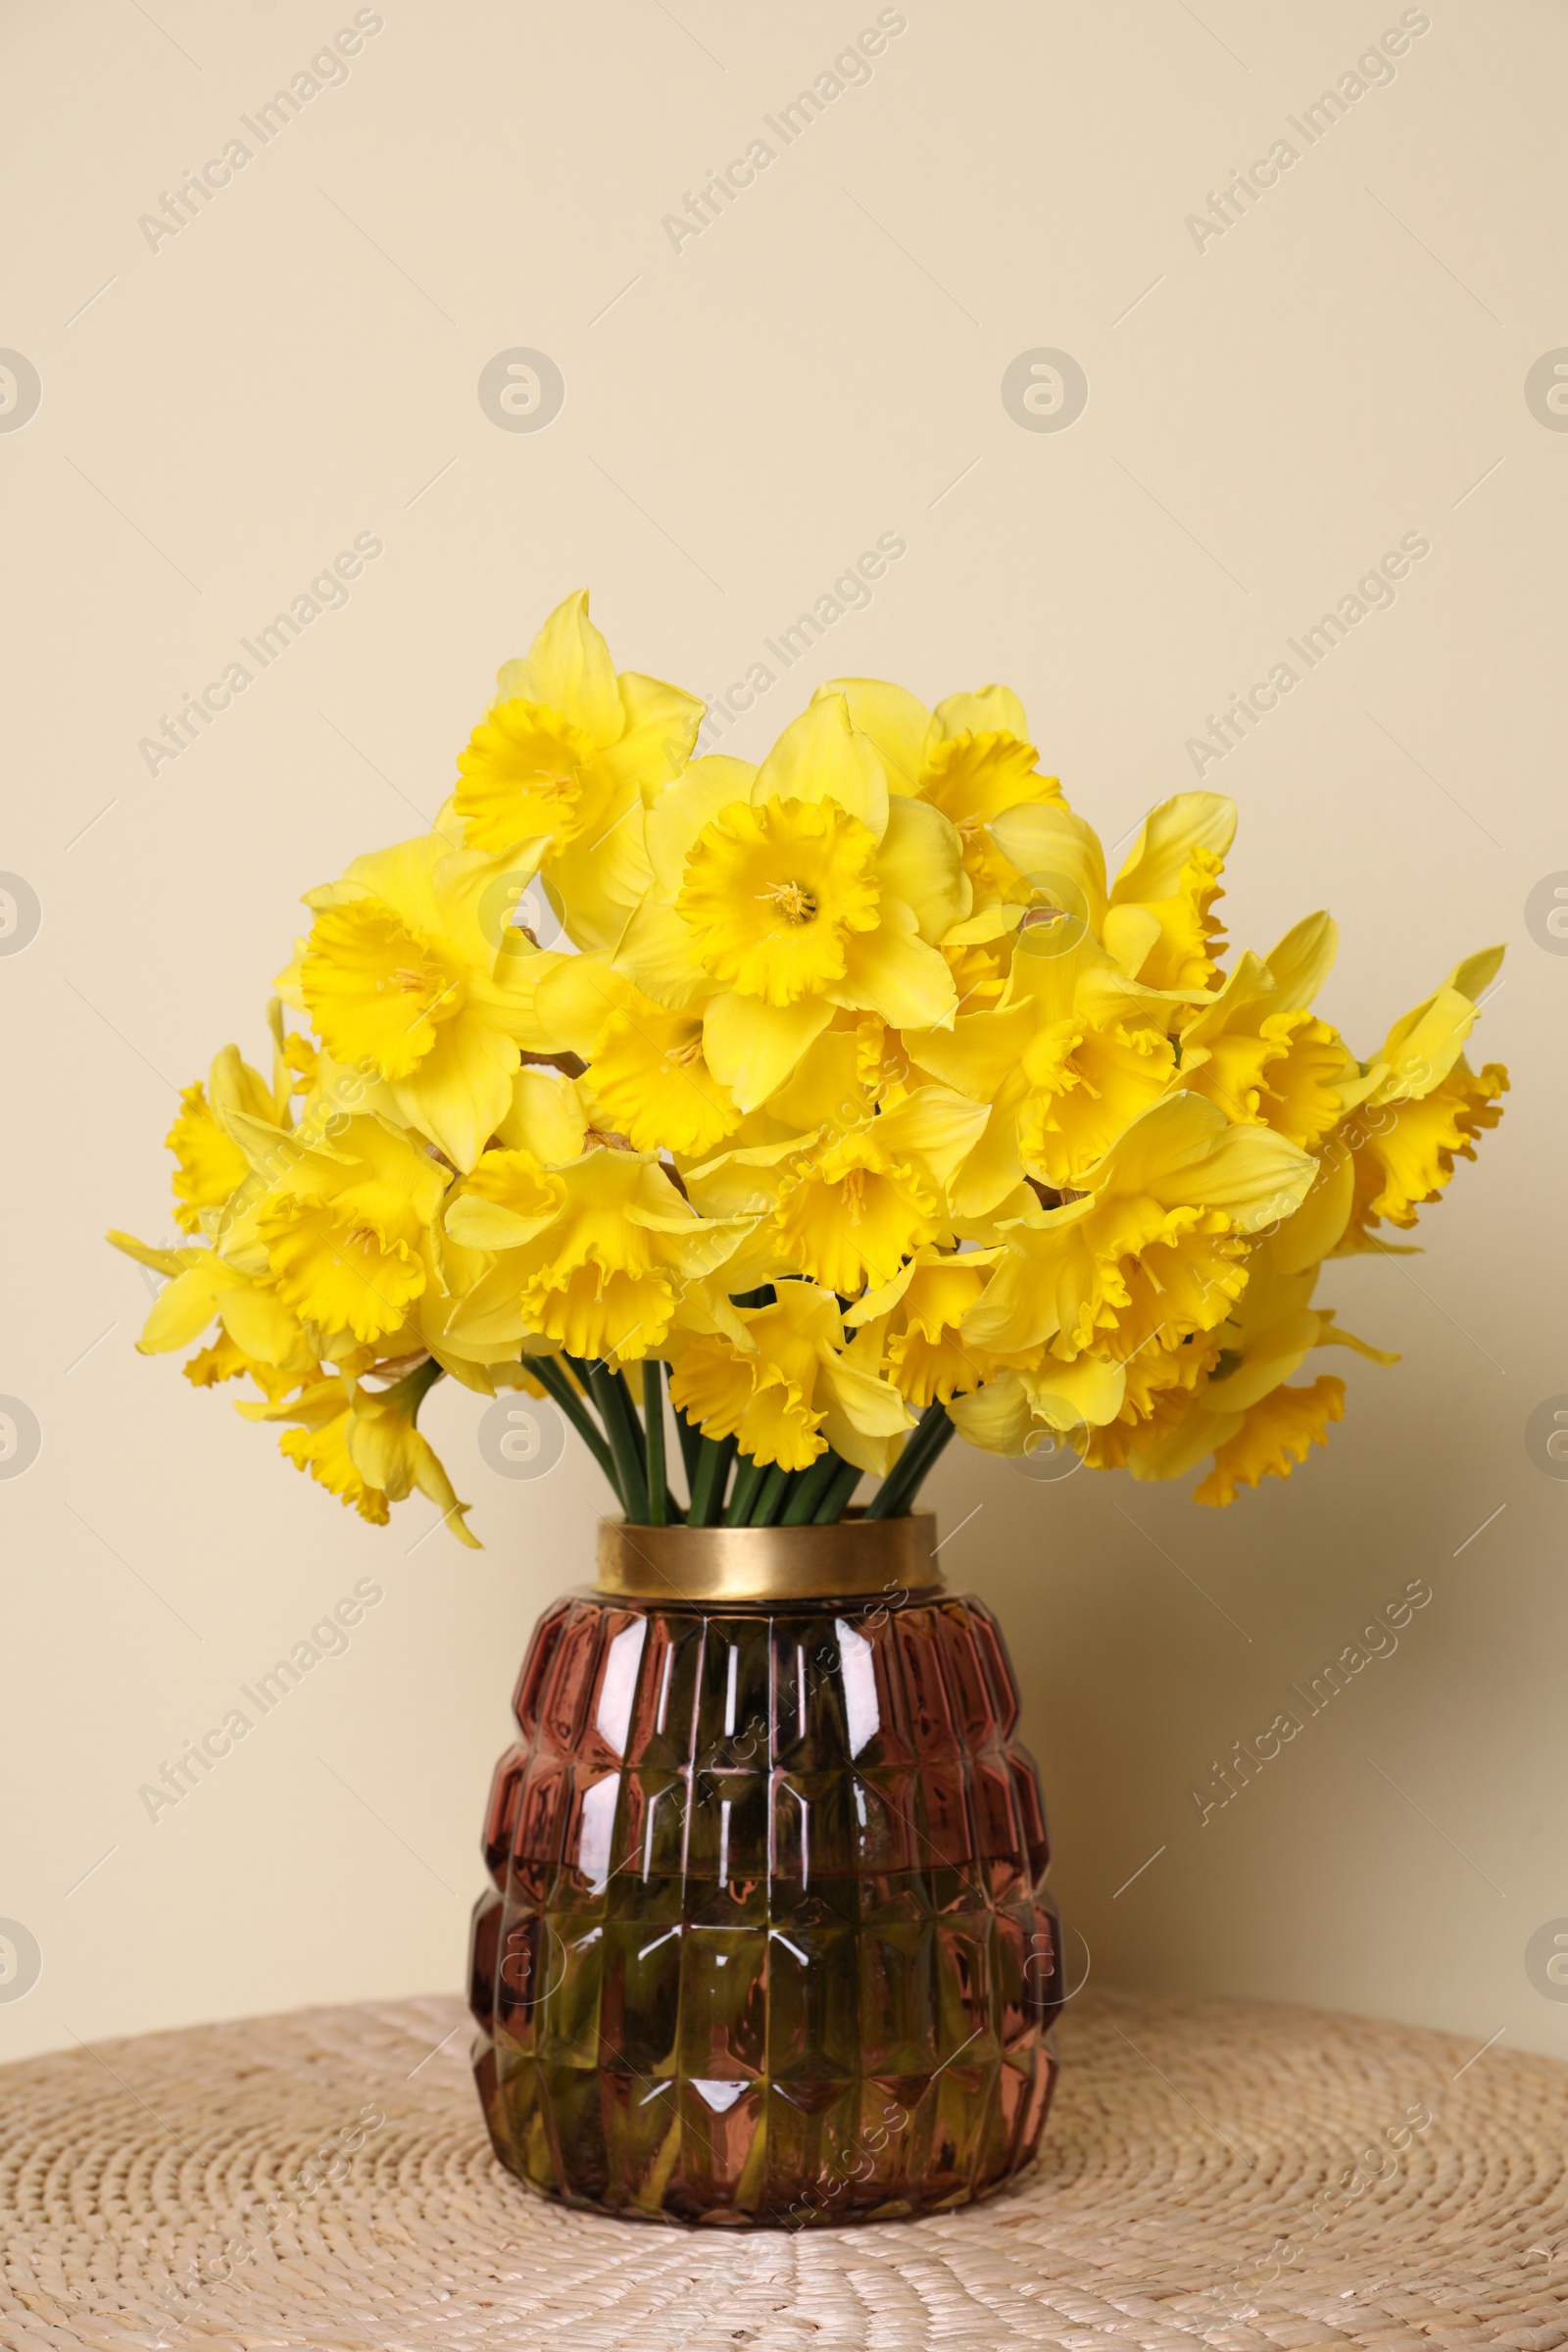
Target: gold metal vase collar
{"points": [[854, 1560]]}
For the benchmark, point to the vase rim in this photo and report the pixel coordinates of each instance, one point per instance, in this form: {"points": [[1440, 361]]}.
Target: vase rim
{"points": [[854, 1560]]}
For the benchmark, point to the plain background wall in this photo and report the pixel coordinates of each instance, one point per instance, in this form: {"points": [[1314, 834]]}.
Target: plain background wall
{"points": [[1267, 414]]}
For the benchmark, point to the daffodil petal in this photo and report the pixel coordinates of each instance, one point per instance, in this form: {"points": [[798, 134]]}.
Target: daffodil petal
{"points": [[596, 880], [1130, 934], [656, 952], [709, 786], [892, 971], [821, 757], [461, 1091], [660, 731], [897, 722], [1173, 1451], [1046, 843], [185, 1306], [569, 669], [1303, 959], [921, 861], [752, 1047], [998, 1418], [1318, 1223], [994, 710], [935, 1125], [546, 1117], [1089, 1390], [1190, 820], [258, 1321]]}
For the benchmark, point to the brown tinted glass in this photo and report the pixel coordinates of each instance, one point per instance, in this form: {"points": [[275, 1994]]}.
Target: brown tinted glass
{"points": [[767, 1940]]}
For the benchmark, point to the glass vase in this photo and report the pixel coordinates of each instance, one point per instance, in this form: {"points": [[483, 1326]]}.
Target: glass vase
{"points": [[767, 1941]]}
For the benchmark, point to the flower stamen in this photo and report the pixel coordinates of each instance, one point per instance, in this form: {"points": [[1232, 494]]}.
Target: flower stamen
{"points": [[793, 899]]}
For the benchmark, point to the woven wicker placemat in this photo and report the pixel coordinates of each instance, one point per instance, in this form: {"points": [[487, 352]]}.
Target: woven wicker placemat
{"points": [[1219, 2173]]}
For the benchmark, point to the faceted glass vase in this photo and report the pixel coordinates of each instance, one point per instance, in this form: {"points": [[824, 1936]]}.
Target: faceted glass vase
{"points": [[767, 1941]]}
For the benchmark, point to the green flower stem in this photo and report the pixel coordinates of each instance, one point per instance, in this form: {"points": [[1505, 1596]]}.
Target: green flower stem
{"points": [[553, 1377], [943, 1436], [770, 1501], [690, 1446], [748, 1483], [800, 1508], [653, 1431], [835, 1502], [625, 1441], [709, 1480], [893, 1497], [902, 1482], [632, 1421], [407, 1394]]}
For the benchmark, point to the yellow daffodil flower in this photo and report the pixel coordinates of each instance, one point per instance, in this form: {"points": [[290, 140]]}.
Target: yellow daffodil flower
{"points": [[1275, 1434], [849, 1203], [1071, 1057], [1155, 1245], [406, 980], [203, 1288], [1229, 1398], [592, 1256], [783, 892], [339, 1227], [1260, 1056], [1423, 1108], [393, 1455], [318, 1444], [209, 1163], [646, 1077], [865, 1030], [794, 1391], [562, 764], [365, 1447], [971, 757], [918, 1318], [1156, 919]]}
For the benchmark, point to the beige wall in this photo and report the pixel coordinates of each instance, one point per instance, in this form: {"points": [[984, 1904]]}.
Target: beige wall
{"points": [[1266, 415]]}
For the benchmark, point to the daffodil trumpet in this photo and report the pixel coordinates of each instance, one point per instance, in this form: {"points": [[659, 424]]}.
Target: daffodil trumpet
{"points": [[814, 1111]]}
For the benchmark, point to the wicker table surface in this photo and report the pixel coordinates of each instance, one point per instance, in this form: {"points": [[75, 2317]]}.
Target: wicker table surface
{"points": [[1214, 2173]]}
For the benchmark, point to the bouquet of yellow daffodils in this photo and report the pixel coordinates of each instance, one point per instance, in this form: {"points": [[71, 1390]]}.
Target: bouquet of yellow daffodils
{"points": [[845, 1093]]}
